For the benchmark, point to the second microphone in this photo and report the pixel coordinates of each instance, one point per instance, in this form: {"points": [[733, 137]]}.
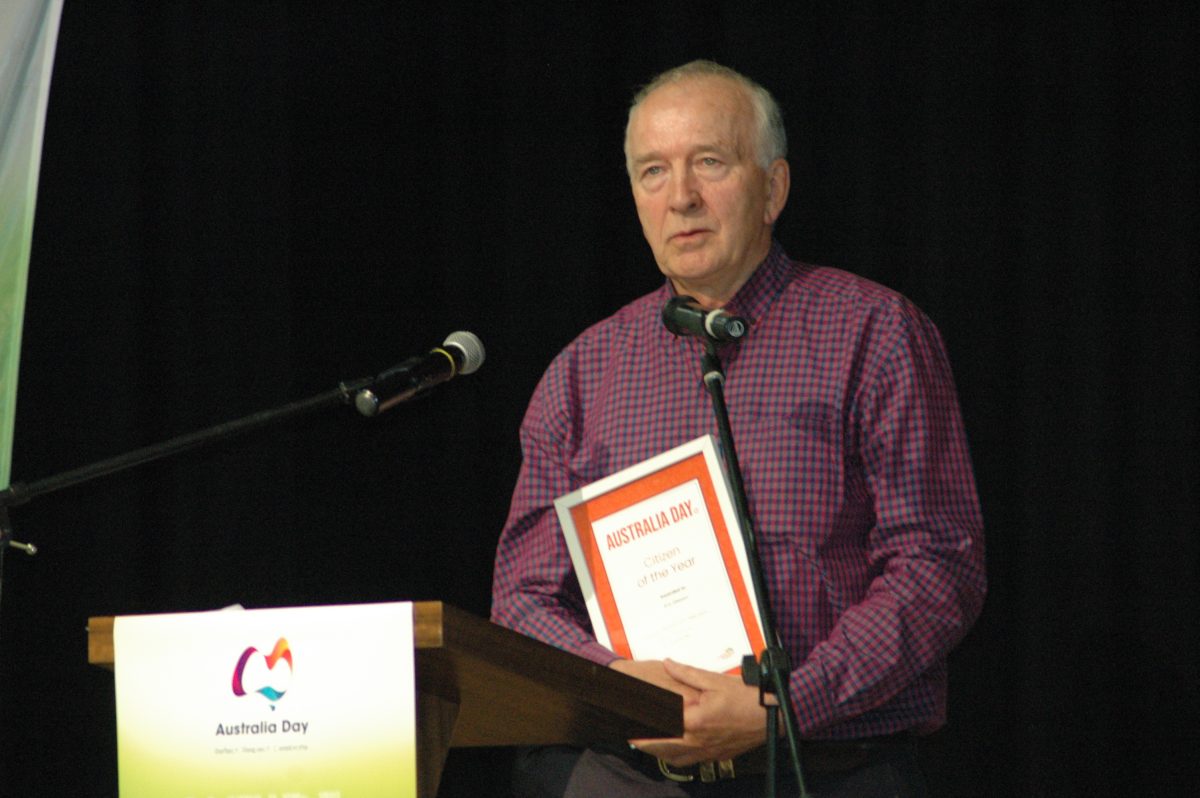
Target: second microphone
{"points": [[461, 353]]}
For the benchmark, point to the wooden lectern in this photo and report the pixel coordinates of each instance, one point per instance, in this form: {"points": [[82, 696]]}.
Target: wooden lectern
{"points": [[479, 684]]}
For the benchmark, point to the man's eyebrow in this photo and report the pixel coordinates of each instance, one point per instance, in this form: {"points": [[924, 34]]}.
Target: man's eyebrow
{"points": [[717, 147], [646, 158]]}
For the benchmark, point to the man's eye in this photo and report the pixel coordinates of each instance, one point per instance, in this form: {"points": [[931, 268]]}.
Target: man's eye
{"points": [[710, 161], [651, 171]]}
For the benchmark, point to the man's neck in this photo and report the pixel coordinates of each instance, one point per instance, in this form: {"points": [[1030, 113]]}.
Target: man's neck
{"points": [[713, 294]]}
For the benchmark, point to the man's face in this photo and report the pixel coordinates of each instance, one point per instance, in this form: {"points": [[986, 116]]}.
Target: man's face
{"points": [[705, 204]]}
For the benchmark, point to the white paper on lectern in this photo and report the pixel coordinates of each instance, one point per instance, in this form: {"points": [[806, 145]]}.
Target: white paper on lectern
{"points": [[315, 701]]}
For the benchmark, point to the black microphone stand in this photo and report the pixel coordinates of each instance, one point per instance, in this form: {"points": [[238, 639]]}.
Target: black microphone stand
{"points": [[20, 492], [770, 672]]}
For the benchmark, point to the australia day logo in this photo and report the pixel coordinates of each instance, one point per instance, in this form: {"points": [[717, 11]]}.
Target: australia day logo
{"points": [[269, 675]]}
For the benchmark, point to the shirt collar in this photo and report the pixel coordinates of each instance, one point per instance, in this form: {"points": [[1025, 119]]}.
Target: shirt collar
{"points": [[754, 298]]}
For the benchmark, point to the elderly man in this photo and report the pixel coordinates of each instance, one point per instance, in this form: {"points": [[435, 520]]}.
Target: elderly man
{"points": [[852, 448]]}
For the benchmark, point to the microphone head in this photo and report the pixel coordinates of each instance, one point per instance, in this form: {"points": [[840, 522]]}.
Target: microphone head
{"points": [[471, 348]]}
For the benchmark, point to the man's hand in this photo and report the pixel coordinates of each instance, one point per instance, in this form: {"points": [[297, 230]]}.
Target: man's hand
{"points": [[655, 672], [721, 715]]}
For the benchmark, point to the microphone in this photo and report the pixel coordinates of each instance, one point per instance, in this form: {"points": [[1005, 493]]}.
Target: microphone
{"points": [[683, 315], [461, 353]]}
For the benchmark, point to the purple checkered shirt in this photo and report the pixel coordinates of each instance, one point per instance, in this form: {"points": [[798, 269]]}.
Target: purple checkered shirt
{"points": [[856, 468]]}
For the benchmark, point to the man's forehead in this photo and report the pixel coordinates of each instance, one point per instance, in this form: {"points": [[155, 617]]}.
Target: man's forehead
{"points": [[706, 111], [695, 93]]}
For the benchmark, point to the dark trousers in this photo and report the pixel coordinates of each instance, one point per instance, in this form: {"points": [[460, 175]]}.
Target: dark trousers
{"points": [[886, 771]]}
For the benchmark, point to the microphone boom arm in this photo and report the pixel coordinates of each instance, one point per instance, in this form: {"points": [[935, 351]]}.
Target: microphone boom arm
{"points": [[19, 493]]}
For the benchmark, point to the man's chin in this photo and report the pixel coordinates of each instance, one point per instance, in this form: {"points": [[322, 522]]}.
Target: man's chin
{"points": [[689, 269]]}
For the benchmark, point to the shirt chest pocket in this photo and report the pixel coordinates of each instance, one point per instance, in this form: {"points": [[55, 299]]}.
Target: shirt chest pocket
{"points": [[794, 466]]}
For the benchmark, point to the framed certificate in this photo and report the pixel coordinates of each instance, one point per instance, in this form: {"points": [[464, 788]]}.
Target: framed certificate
{"points": [[661, 562]]}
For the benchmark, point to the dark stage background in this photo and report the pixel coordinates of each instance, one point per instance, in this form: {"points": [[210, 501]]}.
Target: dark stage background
{"points": [[242, 204]]}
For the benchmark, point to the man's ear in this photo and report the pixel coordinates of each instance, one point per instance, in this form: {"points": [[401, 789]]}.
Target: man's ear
{"points": [[779, 183]]}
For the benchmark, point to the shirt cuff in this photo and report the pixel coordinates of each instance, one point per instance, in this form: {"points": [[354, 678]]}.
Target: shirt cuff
{"points": [[810, 699], [597, 653]]}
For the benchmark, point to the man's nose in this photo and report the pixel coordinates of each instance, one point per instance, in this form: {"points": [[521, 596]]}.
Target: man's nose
{"points": [[685, 192]]}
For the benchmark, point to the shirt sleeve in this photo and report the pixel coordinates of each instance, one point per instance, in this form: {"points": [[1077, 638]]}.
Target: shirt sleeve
{"points": [[534, 587], [926, 546]]}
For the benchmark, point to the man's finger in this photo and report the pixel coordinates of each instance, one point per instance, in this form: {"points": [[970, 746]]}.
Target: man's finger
{"points": [[693, 677]]}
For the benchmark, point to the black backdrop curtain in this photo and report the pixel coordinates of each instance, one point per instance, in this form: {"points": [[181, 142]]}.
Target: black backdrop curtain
{"points": [[242, 204]]}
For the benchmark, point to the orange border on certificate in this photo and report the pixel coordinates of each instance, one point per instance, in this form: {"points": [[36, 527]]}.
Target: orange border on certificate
{"points": [[693, 467]]}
